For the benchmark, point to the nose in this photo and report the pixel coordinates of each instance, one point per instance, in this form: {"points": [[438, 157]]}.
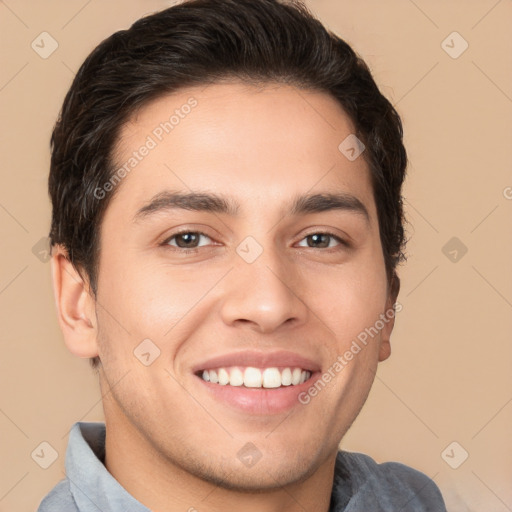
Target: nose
{"points": [[264, 294]]}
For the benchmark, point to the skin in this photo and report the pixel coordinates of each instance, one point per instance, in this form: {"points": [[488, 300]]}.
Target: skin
{"points": [[169, 443]]}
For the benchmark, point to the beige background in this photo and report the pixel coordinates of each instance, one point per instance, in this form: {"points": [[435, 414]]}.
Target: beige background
{"points": [[449, 377]]}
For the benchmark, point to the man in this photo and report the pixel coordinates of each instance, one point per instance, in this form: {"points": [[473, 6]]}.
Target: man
{"points": [[227, 222]]}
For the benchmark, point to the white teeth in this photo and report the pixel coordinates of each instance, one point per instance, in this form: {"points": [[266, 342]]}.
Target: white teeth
{"points": [[286, 377], [223, 377], [236, 378], [251, 377], [271, 378]]}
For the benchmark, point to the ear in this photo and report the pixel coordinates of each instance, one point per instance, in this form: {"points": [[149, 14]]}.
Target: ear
{"points": [[389, 320], [75, 305]]}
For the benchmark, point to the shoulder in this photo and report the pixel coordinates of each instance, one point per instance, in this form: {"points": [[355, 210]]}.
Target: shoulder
{"points": [[391, 484], [59, 499]]}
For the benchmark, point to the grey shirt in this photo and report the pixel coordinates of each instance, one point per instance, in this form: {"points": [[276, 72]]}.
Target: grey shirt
{"points": [[360, 484]]}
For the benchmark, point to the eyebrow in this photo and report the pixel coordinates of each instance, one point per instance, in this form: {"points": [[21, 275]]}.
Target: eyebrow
{"points": [[216, 203]]}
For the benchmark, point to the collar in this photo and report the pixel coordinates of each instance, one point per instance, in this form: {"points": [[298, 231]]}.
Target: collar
{"points": [[92, 486]]}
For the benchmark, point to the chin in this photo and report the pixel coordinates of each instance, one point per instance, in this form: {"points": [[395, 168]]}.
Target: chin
{"points": [[262, 480], [252, 471]]}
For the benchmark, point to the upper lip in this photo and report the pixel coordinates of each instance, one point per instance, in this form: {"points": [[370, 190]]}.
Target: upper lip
{"points": [[258, 360]]}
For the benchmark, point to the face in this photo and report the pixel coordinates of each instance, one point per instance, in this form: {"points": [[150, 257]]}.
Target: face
{"points": [[243, 247]]}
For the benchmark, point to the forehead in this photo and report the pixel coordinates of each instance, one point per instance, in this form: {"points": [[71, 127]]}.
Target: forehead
{"points": [[255, 143]]}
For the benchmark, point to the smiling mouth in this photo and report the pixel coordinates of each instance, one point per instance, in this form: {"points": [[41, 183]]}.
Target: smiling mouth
{"points": [[251, 377]]}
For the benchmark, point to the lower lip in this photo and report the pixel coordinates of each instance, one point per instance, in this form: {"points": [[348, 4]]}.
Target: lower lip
{"points": [[260, 401]]}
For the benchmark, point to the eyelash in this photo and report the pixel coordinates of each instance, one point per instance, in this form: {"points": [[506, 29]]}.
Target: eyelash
{"points": [[192, 250]]}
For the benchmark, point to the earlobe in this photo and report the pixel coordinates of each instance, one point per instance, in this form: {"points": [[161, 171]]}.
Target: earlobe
{"points": [[75, 306], [385, 350], [385, 343]]}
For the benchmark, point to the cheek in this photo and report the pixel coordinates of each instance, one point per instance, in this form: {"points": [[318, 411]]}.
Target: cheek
{"points": [[351, 298], [152, 301], [146, 295], [354, 304]]}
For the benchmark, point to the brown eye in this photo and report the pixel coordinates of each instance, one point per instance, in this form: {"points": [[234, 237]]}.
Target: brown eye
{"points": [[322, 240], [186, 239], [318, 240]]}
